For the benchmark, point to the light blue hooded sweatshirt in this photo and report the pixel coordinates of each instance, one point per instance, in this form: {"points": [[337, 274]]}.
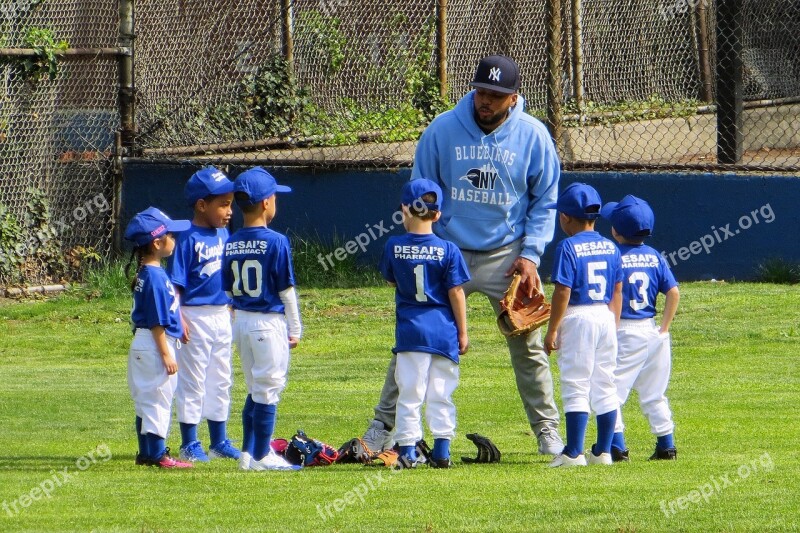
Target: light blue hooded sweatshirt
{"points": [[495, 185]]}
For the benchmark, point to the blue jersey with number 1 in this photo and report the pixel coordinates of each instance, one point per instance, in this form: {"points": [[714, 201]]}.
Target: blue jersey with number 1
{"points": [[256, 267], [589, 264], [424, 268], [645, 273]]}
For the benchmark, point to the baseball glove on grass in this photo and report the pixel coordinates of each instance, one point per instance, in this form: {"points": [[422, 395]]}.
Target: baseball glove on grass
{"points": [[487, 451], [519, 315], [355, 451]]}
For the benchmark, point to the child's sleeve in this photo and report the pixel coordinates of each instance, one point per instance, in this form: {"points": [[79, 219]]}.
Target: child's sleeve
{"points": [[385, 263], [158, 300], [457, 271], [283, 269], [179, 263], [564, 266], [666, 278]]}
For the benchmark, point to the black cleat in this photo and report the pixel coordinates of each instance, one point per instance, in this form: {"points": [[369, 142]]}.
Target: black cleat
{"points": [[618, 455], [669, 454]]}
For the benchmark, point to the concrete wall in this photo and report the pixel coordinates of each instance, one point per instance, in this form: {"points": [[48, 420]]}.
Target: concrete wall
{"points": [[709, 226]]}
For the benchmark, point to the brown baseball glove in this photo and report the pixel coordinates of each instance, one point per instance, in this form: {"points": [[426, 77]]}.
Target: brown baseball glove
{"points": [[519, 315]]}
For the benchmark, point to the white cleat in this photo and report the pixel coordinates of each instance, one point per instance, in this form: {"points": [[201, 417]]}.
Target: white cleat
{"points": [[272, 461], [244, 461], [566, 461], [602, 459]]}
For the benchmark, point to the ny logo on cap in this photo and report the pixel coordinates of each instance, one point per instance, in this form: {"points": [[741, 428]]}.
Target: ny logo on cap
{"points": [[494, 74]]}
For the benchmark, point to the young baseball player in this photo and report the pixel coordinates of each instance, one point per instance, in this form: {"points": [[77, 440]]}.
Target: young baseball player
{"points": [[583, 323], [643, 357], [206, 376], [157, 329], [431, 328], [257, 274]]}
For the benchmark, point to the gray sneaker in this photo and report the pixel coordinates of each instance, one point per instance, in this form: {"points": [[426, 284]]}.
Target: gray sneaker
{"points": [[549, 442], [377, 438]]}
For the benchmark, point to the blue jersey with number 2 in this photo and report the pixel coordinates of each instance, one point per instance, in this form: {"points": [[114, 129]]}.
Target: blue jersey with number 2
{"points": [[589, 264], [644, 274], [424, 268], [256, 267]]}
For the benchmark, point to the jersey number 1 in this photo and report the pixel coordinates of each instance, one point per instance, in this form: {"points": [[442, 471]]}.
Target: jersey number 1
{"points": [[246, 278], [419, 278]]}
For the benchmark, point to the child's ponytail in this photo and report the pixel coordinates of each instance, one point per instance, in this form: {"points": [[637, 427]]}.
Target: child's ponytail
{"points": [[138, 254]]}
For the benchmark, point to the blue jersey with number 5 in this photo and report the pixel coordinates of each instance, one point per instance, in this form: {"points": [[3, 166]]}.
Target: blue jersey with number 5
{"points": [[424, 268], [589, 264], [256, 267], [645, 273]]}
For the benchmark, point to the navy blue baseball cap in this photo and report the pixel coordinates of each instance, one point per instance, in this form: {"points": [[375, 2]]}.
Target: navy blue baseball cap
{"points": [[258, 184], [631, 217], [414, 190], [152, 223], [578, 200], [205, 182], [497, 73]]}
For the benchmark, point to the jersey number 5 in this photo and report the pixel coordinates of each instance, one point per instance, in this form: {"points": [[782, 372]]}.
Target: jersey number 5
{"points": [[596, 277], [247, 279]]}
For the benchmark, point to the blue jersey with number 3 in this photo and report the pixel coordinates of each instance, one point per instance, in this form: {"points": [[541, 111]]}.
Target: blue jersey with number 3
{"points": [[256, 267], [589, 264], [424, 268], [645, 273], [195, 265], [155, 302]]}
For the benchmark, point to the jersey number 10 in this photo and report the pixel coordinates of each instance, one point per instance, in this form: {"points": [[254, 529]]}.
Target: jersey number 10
{"points": [[248, 279]]}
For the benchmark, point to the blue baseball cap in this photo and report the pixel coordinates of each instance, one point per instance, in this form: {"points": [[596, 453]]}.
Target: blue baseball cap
{"points": [[414, 190], [152, 223], [206, 182], [578, 200], [631, 217], [497, 73], [258, 184]]}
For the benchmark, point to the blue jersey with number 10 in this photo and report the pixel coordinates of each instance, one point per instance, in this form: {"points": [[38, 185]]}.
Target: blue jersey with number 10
{"points": [[589, 264], [424, 268], [256, 267], [645, 273]]}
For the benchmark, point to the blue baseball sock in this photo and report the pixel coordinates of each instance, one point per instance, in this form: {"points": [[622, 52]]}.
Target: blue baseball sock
{"points": [[188, 433], [247, 425], [666, 442], [605, 432], [409, 452], [263, 427], [156, 445], [217, 432], [441, 449], [143, 449], [619, 441], [576, 433]]}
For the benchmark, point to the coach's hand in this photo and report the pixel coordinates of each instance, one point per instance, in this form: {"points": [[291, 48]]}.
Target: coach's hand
{"points": [[529, 274]]}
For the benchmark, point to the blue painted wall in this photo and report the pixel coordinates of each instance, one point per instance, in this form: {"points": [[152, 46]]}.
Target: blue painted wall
{"points": [[709, 226]]}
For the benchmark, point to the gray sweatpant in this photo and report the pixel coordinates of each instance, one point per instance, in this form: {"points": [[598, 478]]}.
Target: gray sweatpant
{"points": [[530, 363]]}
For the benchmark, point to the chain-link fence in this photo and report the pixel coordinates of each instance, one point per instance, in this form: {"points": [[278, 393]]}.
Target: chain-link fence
{"points": [[57, 122], [634, 85]]}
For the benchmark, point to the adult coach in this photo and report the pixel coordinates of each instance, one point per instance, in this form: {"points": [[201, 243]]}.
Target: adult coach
{"points": [[498, 168]]}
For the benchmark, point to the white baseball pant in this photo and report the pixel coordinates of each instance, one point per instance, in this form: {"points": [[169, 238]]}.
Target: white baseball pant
{"points": [[205, 377], [151, 387], [424, 377], [263, 342], [644, 363], [587, 356]]}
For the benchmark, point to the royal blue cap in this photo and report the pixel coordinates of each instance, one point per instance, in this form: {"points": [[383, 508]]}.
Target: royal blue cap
{"points": [[258, 184], [206, 182], [631, 217], [414, 190], [152, 223], [497, 73], [578, 200]]}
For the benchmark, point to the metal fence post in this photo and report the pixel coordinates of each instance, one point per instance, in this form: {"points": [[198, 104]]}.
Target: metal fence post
{"points": [[441, 46], [729, 81], [555, 93], [126, 136]]}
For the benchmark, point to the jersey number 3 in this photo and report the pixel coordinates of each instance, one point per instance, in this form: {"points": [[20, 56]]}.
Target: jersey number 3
{"points": [[247, 279]]}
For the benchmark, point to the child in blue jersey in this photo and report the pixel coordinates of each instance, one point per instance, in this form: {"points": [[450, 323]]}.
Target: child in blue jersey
{"points": [[644, 356], [583, 323], [206, 376], [431, 329], [157, 329], [257, 274]]}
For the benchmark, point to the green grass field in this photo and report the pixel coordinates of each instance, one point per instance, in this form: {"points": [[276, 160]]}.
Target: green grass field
{"points": [[67, 441]]}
